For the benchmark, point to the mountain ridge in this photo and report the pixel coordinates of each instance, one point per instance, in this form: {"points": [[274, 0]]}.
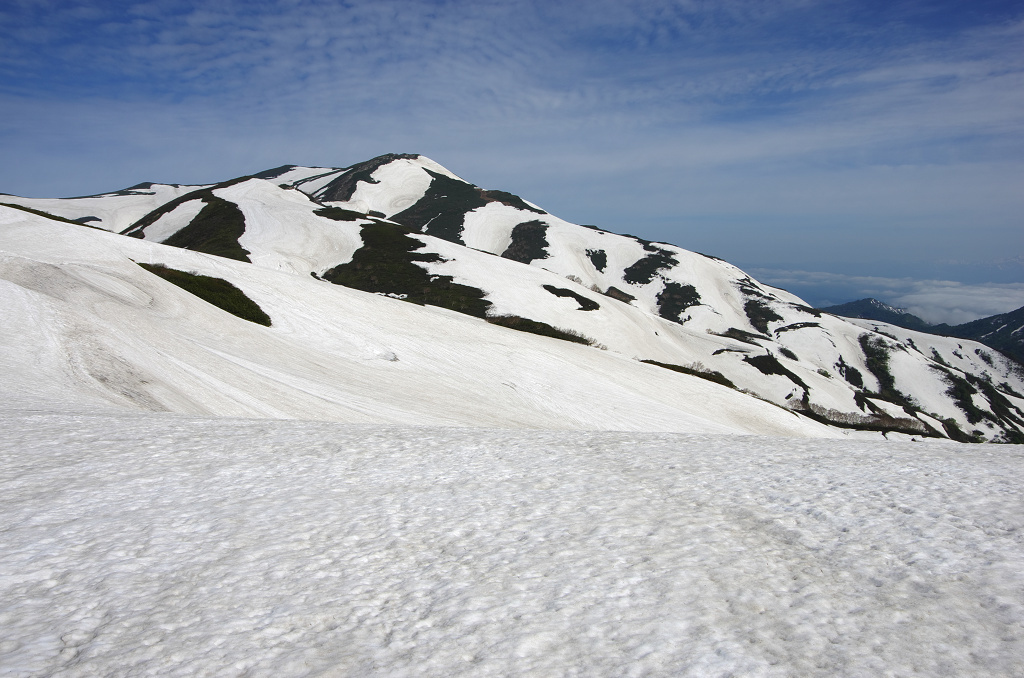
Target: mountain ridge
{"points": [[409, 230]]}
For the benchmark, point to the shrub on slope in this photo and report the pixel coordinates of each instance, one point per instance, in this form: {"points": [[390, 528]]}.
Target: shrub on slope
{"points": [[386, 264], [216, 291], [528, 242], [515, 322], [215, 230]]}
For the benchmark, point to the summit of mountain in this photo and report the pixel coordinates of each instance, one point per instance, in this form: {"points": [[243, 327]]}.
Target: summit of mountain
{"points": [[456, 282]]}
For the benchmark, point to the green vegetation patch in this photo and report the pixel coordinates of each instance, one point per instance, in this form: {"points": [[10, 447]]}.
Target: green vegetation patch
{"points": [[273, 173], [1004, 413], [339, 214], [876, 354], [616, 293], [760, 314], [674, 298], [850, 373], [695, 371], [599, 258], [878, 421], [387, 264], [806, 309], [528, 242], [742, 335], [795, 326], [215, 230], [768, 364], [750, 288], [789, 354], [642, 271], [216, 291], [521, 324], [585, 303]]}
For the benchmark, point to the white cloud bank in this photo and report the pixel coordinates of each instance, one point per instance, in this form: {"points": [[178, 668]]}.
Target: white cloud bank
{"points": [[936, 301]]}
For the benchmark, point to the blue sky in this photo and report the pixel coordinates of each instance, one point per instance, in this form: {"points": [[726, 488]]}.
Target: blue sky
{"points": [[853, 139]]}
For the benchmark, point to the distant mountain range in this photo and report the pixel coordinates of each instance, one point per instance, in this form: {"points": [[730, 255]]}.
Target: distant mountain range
{"points": [[1003, 332], [394, 291]]}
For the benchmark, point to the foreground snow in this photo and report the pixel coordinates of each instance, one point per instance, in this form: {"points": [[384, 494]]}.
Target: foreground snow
{"points": [[156, 544]]}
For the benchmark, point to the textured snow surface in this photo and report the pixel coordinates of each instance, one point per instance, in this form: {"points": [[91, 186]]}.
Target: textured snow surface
{"points": [[167, 545]]}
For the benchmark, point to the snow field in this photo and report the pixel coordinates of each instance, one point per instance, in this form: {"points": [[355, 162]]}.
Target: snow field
{"points": [[177, 546]]}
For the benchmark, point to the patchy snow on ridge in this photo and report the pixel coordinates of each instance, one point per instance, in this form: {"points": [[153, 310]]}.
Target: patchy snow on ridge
{"points": [[109, 211], [161, 545], [301, 175], [398, 185]]}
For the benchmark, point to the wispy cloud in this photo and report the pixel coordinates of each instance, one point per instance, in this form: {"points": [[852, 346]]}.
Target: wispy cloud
{"points": [[663, 117]]}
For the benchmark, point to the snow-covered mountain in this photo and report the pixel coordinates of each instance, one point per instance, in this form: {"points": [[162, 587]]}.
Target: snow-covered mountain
{"points": [[634, 334]]}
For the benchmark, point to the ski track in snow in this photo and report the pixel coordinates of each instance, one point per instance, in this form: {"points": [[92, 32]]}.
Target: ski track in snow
{"points": [[150, 544]]}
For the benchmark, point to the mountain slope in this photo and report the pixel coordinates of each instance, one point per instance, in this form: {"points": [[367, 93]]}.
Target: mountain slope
{"points": [[109, 211], [87, 329], [1003, 332], [405, 227]]}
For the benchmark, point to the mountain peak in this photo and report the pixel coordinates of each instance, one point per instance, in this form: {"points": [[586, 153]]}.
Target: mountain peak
{"points": [[400, 237]]}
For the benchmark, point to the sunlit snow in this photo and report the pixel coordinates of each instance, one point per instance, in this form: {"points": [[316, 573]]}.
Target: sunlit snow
{"points": [[172, 546]]}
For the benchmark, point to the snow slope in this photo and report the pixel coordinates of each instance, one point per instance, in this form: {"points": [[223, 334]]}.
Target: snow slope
{"points": [[109, 211], [85, 327], [164, 545]]}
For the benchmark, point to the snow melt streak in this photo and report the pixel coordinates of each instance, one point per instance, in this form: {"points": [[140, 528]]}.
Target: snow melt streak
{"points": [[175, 546]]}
